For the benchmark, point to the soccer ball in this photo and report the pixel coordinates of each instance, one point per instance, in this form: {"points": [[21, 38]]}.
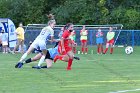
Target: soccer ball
{"points": [[129, 50]]}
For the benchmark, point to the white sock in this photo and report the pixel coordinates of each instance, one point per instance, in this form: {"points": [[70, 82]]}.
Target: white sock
{"points": [[23, 57], [41, 60]]}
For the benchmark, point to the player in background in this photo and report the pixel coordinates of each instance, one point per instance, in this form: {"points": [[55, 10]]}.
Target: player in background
{"points": [[61, 32], [20, 38], [99, 41], [73, 37], [64, 48], [110, 40], [83, 39], [4, 40], [40, 41], [51, 53]]}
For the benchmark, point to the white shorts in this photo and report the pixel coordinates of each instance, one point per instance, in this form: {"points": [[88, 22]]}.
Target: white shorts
{"points": [[4, 43], [39, 43]]}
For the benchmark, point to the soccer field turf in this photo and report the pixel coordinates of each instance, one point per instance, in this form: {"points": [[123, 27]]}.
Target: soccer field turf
{"points": [[116, 73]]}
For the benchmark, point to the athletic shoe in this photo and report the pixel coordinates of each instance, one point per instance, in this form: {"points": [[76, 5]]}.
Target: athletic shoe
{"points": [[12, 52], [77, 58], [68, 68], [43, 66], [19, 65], [36, 67], [86, 53]]}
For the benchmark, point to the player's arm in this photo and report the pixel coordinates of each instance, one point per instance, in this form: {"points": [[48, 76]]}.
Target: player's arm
{"points": [[52, 36], [81, 33], [62, 44], [17, 32]]}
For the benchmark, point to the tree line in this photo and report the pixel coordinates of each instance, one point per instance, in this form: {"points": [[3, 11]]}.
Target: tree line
{"points": [[97, 12]]}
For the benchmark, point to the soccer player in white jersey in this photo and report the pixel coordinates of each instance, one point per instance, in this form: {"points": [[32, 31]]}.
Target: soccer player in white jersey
{"points": [[40, 41]]}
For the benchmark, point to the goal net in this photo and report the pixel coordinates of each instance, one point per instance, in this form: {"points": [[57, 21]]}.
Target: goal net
{"points": [[33, 30]]}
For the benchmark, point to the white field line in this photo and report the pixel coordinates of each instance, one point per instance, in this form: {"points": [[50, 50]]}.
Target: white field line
{"points": [[113, 59], [123, 91]]}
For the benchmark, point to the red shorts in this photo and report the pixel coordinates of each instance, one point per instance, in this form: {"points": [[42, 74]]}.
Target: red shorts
{"points": [[83, 41], [111, 41], [67, 49]]}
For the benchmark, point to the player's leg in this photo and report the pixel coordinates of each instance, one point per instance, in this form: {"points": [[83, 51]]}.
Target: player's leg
{"points": [[74, 49], [42, 46], [98, 48], [6, 48], [82, 46], [17, 45], [35, 58], [29, 60], [22, 48], [27, 53], [102, 48], [49, 63], [107, 45], [65, 58], [71, 55], [3, 48], [111, 46], [30, 49], [85, 45]]}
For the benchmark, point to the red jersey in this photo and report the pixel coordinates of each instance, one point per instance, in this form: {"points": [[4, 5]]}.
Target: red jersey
{"points": [[65, 36]]}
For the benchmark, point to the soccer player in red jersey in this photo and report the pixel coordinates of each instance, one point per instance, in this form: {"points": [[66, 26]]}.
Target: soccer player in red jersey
{"points": [[64, 48], [83, 39], [110, 40]]}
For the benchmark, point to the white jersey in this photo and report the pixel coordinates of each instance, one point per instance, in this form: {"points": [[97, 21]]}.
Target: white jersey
{"points": [[45, 33], [40, 41]]}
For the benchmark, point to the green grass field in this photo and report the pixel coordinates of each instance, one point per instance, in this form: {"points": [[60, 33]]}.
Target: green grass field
{"points": [[92, 74]]}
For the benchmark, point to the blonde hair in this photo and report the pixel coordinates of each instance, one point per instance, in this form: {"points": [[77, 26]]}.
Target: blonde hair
{"points": [[51, 21]]}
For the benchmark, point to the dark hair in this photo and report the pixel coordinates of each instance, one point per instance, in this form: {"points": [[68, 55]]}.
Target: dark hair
{"points": [[67, 26]]}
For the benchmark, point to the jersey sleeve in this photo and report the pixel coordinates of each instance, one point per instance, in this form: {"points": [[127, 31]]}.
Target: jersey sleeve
{"points": [[65, 35]]}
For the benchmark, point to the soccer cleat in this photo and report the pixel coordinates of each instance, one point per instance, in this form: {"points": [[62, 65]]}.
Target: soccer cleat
{"points": [[43, 66], [77, 58], [68, 68], [86, 53], [36, 67], [12, 52], [104, 53], [19, 65], [56, 58]]}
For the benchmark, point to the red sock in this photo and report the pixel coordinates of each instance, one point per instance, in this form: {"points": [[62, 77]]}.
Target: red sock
{"points": [[102, 50], [98, 50], [111, 50], [69, 63], [106, 50], [82, 49], [86, 50]]}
